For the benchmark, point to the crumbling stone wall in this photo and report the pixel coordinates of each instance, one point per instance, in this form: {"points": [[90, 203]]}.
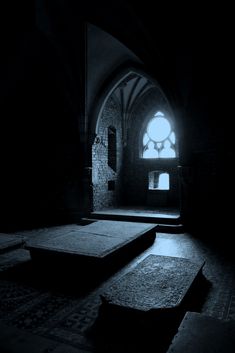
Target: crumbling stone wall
{"points": [[106, 181]]}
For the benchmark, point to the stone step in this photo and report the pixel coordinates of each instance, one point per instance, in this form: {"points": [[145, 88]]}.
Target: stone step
{"points": [[13, 340], [198, 333], [160, 227], [170, 228], [151, 218], [10, 242]]}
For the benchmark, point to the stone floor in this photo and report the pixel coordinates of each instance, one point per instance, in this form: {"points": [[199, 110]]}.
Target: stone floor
{"points": [[65, 309], [216, 335]]}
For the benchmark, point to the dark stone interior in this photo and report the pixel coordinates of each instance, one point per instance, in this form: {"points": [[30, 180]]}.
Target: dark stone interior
{"points": [[79, 83]]}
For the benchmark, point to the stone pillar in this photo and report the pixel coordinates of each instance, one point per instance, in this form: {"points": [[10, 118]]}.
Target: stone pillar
{"points": [[185, 174]]}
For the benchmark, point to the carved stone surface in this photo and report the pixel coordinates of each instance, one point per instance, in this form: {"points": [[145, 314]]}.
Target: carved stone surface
{"points": [[96, 240], [157, 282]]}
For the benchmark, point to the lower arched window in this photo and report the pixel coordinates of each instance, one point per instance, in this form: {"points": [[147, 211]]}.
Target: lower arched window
{"points": [[159, 180]]}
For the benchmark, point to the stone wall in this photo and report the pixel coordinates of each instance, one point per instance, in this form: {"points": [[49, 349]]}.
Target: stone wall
{"points": [[105, 180], [136, 169]]}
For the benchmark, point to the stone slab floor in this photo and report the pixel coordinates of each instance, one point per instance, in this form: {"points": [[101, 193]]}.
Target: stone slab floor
{"points": [[63, 308]]}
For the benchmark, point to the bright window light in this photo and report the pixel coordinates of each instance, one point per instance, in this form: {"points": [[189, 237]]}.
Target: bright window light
{"points": [[145, 139], [159, 129], [163, 183], [159, 180], [167, 151], [159, 114], [172, 137], [159, 138], [150, 152]]}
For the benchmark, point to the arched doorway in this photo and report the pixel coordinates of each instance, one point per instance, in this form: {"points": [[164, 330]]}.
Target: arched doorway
{"points": [[132, 154]]}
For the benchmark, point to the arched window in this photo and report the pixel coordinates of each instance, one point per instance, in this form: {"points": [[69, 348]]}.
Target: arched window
{"points": [[112, 148], [159, 138], [159, 180]]}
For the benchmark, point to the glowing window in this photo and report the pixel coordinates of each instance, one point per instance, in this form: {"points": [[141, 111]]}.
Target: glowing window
{"points": [[159, 180], [159, 138]]}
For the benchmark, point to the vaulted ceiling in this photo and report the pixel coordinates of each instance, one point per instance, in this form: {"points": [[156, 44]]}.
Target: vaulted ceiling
{"points": [[132, 88]]}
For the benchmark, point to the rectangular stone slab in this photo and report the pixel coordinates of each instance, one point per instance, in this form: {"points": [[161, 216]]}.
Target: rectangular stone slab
{"points": [[157, 282], [9, 241], [200, 333], [118, 229], [96, 240]]}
